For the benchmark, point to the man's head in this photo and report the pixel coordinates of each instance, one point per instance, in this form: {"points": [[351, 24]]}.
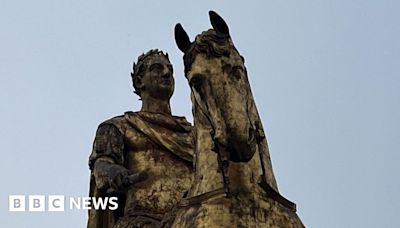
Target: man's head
{"points": [[152, 75]]}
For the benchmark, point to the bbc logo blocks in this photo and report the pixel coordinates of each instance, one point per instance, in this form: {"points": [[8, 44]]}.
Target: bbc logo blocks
{"points": [[36, 203]]}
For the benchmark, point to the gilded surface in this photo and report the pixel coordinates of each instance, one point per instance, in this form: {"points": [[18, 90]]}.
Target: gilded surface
{"points": [[232, 184], [144, 158], [169, 176], [231, 151]]}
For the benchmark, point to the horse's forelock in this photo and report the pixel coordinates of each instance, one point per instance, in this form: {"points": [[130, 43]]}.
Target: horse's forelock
{"points": [[210, 43]]}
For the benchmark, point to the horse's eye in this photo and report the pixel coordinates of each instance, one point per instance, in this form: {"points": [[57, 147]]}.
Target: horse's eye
{"points": [[196, 81], [238, 68], [237, 71]]}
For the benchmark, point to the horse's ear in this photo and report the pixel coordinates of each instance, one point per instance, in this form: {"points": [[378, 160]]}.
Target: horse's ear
{"points": [[218, 23], [181, 38]]}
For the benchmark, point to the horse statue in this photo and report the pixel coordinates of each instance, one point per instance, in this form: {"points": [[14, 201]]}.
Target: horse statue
{"points": [[234, 184]]}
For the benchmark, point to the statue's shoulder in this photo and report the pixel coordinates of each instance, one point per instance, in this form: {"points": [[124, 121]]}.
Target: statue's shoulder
{"points": [[117, 121], [183, 121], [174, 123]]}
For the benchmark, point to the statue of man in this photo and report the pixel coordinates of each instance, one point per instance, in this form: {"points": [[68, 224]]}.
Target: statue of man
{"points": [[144, 158]]}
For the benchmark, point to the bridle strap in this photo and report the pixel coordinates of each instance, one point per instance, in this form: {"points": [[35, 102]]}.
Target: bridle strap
{"points": [[222, 153]]}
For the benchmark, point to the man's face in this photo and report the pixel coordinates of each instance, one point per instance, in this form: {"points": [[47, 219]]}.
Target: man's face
{"points": [[157, 78]]}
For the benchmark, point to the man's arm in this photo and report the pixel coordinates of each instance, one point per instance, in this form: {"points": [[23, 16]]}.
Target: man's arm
{"points": [[106, 160]]}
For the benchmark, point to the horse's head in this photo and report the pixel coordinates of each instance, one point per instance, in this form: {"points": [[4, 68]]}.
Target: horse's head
{"points": [[220, 89]]}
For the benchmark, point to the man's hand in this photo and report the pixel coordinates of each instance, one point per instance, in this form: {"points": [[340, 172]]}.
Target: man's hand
{"points": [[113, 177], [134, 178]]}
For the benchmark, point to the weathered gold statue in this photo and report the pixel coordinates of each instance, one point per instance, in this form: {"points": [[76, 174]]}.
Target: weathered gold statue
{"points": [[144, 158], [234, 184]]}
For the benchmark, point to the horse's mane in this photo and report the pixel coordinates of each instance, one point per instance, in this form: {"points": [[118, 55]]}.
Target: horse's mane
{"points": [[210, 43]]}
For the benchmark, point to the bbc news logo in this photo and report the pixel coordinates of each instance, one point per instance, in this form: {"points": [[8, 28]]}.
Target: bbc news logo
{"points": [[41, 203]]}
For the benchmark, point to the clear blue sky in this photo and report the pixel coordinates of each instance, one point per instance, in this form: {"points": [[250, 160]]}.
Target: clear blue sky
{"points": [[325, 76]]}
